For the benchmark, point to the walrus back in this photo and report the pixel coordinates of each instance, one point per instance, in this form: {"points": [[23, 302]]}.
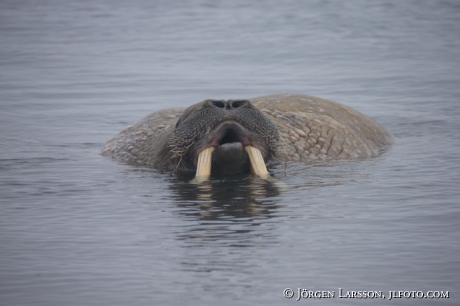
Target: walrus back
{"points": [[146, 142], [315, 128]]}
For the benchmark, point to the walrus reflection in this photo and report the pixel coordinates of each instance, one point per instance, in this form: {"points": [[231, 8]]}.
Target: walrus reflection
{"points": [[235, 196]]}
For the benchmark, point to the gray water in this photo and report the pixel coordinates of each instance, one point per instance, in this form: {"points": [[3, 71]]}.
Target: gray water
{"points": [[77, 228]]}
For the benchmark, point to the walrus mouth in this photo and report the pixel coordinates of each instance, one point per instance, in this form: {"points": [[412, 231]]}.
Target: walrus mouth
{"points": [[256, 163], [229, 136]]}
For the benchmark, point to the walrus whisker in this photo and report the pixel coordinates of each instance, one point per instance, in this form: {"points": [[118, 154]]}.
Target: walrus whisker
{"points": [[177, 163]]}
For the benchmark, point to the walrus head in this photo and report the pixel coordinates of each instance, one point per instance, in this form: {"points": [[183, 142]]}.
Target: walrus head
{"points": [[221, 136]]}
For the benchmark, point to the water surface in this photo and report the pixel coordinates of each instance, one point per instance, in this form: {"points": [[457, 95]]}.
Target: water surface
{"points": [[77, 228]]}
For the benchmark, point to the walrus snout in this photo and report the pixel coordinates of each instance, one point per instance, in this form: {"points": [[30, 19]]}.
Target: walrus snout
{"points": [[224, 136]]}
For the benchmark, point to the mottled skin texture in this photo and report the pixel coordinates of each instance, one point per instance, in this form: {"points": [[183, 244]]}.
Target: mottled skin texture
{"points": [[307, 128]]}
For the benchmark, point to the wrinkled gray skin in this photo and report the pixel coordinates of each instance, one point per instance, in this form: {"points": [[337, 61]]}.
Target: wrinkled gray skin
{"points": [[284, 127]]}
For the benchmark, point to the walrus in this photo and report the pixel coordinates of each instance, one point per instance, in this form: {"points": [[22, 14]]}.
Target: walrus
{"points": [[247, 135]]}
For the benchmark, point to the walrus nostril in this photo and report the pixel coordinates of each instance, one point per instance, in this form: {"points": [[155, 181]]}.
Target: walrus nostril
{"points": [[219, 104], [239, 103]]}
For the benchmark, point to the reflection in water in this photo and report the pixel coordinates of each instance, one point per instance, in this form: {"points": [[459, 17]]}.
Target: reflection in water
{"points": [[248, 213], [230, 198], [228, 212], [234, 210]]}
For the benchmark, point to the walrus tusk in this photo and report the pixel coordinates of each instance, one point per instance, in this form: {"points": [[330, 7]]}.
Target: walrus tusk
{"points": [[203, 168], [257, 165], [257, 162]]}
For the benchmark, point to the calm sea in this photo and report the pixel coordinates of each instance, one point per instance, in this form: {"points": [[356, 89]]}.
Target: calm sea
{"points": [[77, 228]]}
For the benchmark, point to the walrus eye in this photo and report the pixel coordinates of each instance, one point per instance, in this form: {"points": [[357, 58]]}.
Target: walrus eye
{"points": [[238, 103], [219, 104]]}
